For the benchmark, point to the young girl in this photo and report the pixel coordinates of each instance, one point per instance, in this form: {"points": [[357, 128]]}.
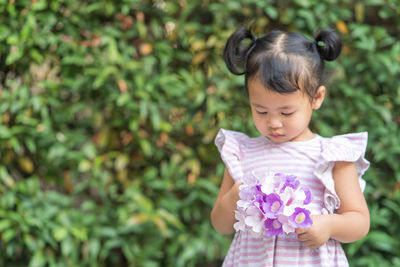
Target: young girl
{"points": [[284, 81]]}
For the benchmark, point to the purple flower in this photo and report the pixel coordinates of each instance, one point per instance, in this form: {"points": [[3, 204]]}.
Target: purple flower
{"points": [[258, 187], [259, 201], [246, 192], [300, 218], [290, 181], [307, 192], [272, 206], [273, 227], [247, 196]]}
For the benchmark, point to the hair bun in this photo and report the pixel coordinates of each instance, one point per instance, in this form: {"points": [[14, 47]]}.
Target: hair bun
{"points": [[235, 54], [332, 46]]}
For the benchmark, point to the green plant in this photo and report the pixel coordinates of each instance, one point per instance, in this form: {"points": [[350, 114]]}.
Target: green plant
{"points": [[109, 110]]}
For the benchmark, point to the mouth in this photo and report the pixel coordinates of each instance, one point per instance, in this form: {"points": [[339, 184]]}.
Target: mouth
{"points": [[275, 135]]}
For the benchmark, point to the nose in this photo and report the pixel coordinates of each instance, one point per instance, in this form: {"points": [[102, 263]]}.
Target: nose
{"points": [[274, 123]]}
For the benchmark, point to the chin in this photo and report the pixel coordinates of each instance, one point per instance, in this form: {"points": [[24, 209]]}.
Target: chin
{"points": [[278, 140]]}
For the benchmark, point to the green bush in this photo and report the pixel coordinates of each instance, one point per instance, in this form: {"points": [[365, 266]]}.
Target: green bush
{"points": [[109, 110]]}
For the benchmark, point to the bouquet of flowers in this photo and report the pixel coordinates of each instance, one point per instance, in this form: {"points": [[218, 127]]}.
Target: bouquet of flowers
{"points": [[274, 204]]}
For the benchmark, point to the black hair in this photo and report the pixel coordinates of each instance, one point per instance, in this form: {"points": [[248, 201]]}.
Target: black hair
{"points": [[284, 61]]}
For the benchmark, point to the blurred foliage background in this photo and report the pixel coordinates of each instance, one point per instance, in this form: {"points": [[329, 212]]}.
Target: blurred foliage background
{"points": [[109, 109]]}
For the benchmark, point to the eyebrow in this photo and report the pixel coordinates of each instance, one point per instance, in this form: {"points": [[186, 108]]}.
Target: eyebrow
{"points": [[282, 108]]}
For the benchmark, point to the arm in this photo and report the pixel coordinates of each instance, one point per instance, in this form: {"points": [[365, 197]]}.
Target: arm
{"points": [[223, 212], [350, 222]]}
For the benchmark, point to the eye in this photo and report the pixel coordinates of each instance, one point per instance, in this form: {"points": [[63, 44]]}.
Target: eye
{"points": [[287, 114], [261, 113]]}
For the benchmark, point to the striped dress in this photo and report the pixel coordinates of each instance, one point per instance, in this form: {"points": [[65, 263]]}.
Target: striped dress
{"points": [[312, 162]]}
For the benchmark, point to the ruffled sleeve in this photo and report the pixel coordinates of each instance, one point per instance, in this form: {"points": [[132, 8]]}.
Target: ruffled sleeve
{"points": [[348, 148], [230, 144]]}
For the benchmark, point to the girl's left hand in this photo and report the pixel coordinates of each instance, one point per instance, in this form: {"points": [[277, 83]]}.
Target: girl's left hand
{"points": [[318, 234]]}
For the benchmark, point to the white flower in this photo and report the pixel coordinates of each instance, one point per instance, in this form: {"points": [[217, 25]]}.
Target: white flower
{"points": [[254, 219], [286, 227], [270, 185], [240, 224]]}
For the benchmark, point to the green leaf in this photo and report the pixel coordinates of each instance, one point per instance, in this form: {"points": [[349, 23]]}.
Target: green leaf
{"points": [[113, 54], [271, 12], [80, 232], [39, 5], [382, 241], [35, 54], [171, 219], [67, 247], [37, 260], [94, 248], [4, 224], [8, 234], [60, 233]]}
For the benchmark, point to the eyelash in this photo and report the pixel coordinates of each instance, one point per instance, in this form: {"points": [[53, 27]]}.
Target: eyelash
{"points": [[284, 114]]}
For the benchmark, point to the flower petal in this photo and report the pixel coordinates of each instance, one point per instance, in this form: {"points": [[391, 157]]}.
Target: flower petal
{"points": [[308, 198], [300, 218], [290, 181], [273, 205], [273, 227], [254, 219]]}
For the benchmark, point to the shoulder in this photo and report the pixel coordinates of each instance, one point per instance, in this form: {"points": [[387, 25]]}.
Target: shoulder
{"points": [[229, 134], [239, 140], [346, 147], [233, 147], [347, 153]]}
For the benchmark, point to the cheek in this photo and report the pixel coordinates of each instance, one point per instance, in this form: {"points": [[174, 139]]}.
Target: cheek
{"points": [[295, 125], [258, 122], [300, 121]]}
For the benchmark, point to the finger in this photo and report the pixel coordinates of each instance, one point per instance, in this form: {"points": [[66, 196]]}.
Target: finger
{"points": [[300, 231], [304, 237], [313, 246], [310, 244]]}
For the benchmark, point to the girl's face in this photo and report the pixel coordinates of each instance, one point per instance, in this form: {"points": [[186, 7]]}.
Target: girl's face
{"points": [[282, 117]]}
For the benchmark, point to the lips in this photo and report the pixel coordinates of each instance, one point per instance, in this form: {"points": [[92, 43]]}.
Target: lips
{"points": [[275, 135]]}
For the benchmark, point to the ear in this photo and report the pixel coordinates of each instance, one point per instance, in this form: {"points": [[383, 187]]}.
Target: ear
{"points": [[319, 97]]}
